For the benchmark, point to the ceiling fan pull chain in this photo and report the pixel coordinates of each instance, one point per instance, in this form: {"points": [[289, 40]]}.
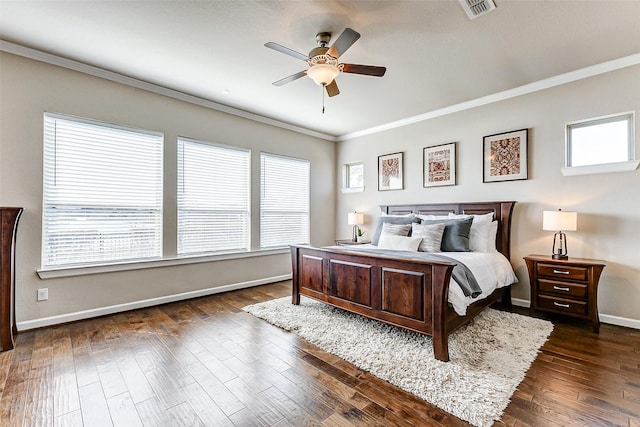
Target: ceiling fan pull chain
{"points": [[323, 88]]}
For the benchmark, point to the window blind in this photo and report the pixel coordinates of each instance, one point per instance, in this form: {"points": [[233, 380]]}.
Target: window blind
{"points": [[213, 198], [284, 200], [102, 193]]}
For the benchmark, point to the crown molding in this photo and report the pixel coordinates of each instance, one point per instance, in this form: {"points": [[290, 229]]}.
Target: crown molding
{"points": [[70, 64], [561, 79]]}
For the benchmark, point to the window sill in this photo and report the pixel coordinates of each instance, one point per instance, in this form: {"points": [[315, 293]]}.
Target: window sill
{"points": [[603, 168], [140, 265], [352, 190]]}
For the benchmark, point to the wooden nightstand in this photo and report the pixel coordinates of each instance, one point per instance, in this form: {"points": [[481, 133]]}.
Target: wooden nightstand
{"points": [[347, 242], [567, 286]]}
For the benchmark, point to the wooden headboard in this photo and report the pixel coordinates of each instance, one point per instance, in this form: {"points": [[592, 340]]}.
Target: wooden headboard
{"points": [[502, 212]]}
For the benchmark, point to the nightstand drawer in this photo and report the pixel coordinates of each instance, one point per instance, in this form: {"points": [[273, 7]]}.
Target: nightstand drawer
{"points": [[562, 305], [568, 289], [561, 272]]}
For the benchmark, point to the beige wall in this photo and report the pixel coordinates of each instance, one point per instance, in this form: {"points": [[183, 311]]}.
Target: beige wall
{"points": [[608, 204], [28, 88]]}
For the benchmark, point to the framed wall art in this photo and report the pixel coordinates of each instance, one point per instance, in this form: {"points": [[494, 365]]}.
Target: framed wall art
{"points": [[390, 172], [505, 156], [439, 165]]}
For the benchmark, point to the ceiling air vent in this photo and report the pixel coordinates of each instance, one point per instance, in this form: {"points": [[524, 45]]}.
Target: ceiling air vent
{"points": [[475, 8]]}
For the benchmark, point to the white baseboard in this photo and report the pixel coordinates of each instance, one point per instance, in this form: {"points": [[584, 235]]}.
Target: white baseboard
{"points": [[604, 318], [620, 321], [95, 312], [87, 314], [521, 302]]}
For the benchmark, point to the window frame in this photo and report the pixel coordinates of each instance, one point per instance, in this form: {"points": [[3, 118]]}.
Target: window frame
{"points": [[246, 246], [88, 208], [307, 238], [347, 186], [628, 164]]}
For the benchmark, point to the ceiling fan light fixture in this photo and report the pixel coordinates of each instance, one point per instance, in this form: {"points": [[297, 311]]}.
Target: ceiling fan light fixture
{"points": [[323, 61], [323, 74]]}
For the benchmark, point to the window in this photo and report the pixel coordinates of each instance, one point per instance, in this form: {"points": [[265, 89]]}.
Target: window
{"points": [[597, 145], [353, 177], [102, 193], [284, 201], [213, 198]]}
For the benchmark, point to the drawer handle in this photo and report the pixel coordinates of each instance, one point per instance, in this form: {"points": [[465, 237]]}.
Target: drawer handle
{"points": [[557, 304], [560, 272], [558, 288]]}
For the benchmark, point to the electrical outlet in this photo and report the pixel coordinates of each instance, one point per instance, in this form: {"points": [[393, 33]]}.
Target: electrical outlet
{"points": [[43, 294]]}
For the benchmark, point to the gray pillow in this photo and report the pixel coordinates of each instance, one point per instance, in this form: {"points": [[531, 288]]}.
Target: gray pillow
{"points": [[456, 233], [391, 220]]}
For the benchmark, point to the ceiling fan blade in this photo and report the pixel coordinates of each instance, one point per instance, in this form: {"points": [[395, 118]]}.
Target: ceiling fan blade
{"points": [[286, 50], [290, 78], [344, 42], [332, 88], [367, 70]]}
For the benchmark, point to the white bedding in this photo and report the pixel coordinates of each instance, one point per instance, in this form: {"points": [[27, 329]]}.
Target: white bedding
{"points": [[492, 270]]}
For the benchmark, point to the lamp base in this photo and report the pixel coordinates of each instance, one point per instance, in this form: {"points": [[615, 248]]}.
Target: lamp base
{"points": [[559, 242]]}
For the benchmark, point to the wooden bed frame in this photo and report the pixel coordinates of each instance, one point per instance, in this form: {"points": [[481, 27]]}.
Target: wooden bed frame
{"points": [[405, 293]]}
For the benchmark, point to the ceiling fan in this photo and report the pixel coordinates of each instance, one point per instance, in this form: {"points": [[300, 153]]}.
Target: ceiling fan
{"points": [[323, 61]]}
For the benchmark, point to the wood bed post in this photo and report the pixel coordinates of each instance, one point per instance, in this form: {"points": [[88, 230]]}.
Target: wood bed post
{"points": [[506, 297], [441, 275], [295, 292]]}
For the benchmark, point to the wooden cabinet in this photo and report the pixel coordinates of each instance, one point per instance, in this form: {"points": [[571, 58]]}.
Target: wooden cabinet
{"points": [[567, 286], [8, 225]]}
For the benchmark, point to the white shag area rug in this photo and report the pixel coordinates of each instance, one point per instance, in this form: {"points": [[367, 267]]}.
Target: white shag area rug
{"points": [[489, 356]]}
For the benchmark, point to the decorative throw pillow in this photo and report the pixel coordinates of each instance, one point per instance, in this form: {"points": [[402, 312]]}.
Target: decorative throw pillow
{"points": [[391, 220], [456, 234], [479, 235], [396, 229], [431, 235], [398, 243]]}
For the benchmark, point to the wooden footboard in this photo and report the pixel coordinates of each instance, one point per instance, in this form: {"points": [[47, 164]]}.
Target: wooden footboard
{"points": [[409, 294]]}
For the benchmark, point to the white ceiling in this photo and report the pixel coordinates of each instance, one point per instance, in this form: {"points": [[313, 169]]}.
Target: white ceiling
{"points": [[435, 56]]}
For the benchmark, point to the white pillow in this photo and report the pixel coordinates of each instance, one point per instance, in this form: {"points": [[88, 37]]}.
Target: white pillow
{"points": [[493, 232], [430, 217], [431, 235], [479, 234], [399, 243], [396, 215]]}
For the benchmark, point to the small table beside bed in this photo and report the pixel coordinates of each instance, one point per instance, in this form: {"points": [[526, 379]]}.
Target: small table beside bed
{"points": [[429, 293]]}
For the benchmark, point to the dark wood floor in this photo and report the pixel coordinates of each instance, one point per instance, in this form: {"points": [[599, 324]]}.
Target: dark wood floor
{"points": [[206, 362]]}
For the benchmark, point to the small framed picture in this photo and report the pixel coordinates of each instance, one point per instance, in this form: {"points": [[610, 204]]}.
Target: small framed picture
{"points": [[439, 165], [390, 172], [505, 156]]}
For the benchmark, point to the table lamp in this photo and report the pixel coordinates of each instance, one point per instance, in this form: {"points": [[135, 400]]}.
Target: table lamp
{"points": [[355, 219], [559, 221]]}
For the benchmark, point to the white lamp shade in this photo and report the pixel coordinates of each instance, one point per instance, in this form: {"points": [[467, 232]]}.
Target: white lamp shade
{"points": [[559, 220], [355, 218], [322, 74]]}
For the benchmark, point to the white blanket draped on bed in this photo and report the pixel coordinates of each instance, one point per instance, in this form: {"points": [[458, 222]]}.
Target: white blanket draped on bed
{"points": [[492, 270]]}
